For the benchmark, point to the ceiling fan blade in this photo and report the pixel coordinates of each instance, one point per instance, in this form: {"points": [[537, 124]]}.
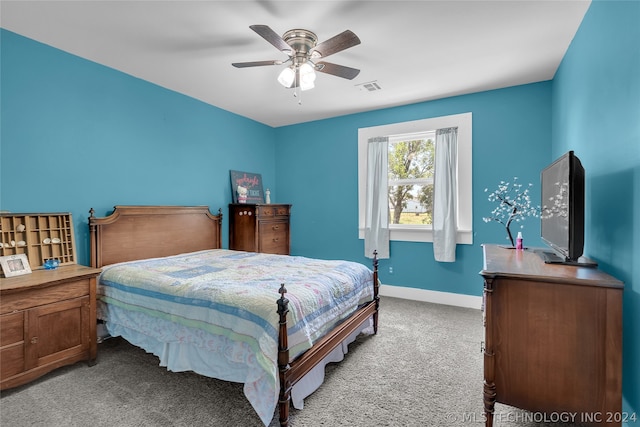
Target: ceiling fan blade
{"points": [[342, 41], [272, 37], [256, 63], [337, 70]]}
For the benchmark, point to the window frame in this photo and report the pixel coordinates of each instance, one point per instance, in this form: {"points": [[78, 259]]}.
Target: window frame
{"points": [[421, 233]]}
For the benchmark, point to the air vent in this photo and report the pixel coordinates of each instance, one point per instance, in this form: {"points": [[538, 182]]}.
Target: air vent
{"points": [[369, 86]]}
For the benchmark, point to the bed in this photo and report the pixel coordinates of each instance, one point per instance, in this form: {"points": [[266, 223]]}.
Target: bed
{"points": [[269, 321]]}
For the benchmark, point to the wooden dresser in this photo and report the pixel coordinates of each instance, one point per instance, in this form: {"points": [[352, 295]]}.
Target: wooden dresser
{"points": [[47, 317], [553, 337], [259, 228], [47, 320]]}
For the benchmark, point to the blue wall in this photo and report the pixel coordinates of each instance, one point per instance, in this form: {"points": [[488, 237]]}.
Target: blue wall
{"points": [[77, 135], [596, 112]]}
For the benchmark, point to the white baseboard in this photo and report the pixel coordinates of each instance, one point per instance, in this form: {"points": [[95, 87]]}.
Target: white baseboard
{"points": [[447, 298]]}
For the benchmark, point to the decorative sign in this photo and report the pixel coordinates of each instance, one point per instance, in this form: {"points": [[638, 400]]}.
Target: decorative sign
{"points": [[246, 187]]}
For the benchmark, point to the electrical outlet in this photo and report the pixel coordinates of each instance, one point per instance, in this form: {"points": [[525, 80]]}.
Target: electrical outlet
{"points": [[390, 270]]}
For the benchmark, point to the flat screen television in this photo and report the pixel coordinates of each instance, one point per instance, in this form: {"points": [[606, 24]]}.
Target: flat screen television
{"points": [[562, 211]]}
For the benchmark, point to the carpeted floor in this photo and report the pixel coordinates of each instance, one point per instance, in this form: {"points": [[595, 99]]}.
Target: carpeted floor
{"points": [[423, 368]]}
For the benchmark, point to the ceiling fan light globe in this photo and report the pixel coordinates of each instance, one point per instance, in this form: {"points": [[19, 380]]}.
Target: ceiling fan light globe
{"points": [[306, 68], [306, 85], [307, 73], [286, 77]]}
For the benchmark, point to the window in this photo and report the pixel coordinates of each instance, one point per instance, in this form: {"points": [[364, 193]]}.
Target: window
{"points": [[410, 175], [410, 178]]}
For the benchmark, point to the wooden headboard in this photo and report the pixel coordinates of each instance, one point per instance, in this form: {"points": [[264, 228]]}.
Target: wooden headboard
{"points": [[138, 232]]}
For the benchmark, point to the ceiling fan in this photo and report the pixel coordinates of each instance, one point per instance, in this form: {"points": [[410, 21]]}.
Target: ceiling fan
{"points": [[304, 51]]}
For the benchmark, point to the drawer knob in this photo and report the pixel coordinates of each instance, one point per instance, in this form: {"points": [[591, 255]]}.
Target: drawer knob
{"points": [[34, 340], [276, 239], [275, 227]]}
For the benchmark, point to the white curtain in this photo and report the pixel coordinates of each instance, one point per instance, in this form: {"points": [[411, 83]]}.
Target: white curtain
{"points": [[444, 195], [376, 223]]}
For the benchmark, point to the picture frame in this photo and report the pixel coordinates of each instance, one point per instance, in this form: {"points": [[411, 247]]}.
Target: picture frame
{"points": [[251, 187], [15, 265]]}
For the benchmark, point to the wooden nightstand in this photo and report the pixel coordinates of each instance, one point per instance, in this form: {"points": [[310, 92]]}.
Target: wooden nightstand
{"points": [[259, 228], [47, 320]]}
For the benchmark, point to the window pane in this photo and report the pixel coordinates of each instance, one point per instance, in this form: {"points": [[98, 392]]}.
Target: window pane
{"points": [[411, 204], [410, 181], [411, 159]]}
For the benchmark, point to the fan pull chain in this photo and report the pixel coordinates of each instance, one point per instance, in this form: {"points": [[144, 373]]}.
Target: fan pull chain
{"points": [[295, 90]]}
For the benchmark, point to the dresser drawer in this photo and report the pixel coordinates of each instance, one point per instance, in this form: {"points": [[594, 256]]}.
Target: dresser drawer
{"points": [[11, 328], [11, 361], [41, 296], [274, 246], [274, 237], [268, 211], [274, 228], [11, 344]]}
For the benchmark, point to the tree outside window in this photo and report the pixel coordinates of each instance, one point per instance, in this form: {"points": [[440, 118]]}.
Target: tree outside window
{"points": [[410, 175]]}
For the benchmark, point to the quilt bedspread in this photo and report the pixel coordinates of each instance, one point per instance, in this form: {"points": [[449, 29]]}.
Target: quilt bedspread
{"points": [[232, 295]]}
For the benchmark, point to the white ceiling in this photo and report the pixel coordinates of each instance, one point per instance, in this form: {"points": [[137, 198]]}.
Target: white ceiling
{"points": [[414, 50]]}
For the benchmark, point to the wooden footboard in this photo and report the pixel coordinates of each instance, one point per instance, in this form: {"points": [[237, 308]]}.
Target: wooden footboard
{"points": [[291, 372]]}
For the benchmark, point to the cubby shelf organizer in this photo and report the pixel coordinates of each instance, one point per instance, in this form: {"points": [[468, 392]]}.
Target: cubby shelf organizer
{"points": [[40, 236]]}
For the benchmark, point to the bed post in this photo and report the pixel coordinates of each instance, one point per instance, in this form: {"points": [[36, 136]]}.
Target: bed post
{"points": [[93, 240], [283, 358], [376, 298]]}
